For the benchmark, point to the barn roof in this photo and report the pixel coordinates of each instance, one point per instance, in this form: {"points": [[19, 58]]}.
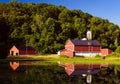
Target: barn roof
{"points": [[24, 48], [85, 42], [85, 71]]}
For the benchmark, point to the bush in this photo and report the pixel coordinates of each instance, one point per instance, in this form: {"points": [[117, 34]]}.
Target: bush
{"points": [[114, 54], [64, 56], [97, 56], [118, 49]]}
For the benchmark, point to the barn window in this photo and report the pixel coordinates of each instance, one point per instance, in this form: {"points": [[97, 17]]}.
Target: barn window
{"points": [[17, 54], [12, 53]]}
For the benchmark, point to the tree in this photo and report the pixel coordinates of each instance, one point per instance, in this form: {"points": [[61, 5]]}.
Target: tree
{"points": [[4, 36], [118, 49], [116, 43], [46, 27], [65, 16]]}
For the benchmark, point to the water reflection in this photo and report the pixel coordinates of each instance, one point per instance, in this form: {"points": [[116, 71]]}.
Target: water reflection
{"points": [[85, 70], [14, 65], [29, 72]]}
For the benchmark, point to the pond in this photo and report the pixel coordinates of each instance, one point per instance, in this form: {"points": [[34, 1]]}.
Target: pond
{"points": [[27, 72]]}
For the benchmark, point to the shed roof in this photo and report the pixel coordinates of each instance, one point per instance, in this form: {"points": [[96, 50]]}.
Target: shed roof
{"points": [[85, 42], [24, 48]]}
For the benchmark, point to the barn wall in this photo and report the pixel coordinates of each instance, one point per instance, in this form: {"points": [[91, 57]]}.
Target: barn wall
{"points": [[105, 52], [14, 51], [110, 51], [96, 48], [81, 48], [27, 52], [67, 53], [62, 52], [69, 45], [87, 48]]}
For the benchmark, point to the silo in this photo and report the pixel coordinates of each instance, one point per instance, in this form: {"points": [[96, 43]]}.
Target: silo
{"points": [[89, 35]]}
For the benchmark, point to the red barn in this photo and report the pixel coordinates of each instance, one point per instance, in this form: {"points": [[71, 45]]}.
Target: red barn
{"points": [[22, 50], [81, 48], [105, 52]]}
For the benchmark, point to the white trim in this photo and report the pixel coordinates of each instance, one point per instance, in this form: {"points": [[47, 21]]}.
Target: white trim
{"points": [[87, 54], [58, 53], [89, 78]]}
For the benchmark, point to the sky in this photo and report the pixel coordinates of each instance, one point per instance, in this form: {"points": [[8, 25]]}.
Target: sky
{"points": [[106, 9]]}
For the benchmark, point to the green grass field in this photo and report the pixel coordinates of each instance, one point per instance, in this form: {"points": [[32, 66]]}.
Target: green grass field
{"points": [[55, 58]]}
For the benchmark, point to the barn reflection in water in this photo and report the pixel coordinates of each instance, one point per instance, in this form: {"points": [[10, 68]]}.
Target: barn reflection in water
{"points": [[37, 72], [85, 70]]}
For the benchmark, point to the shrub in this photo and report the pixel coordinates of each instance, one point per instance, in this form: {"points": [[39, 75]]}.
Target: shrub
{"points": [[114, 54], [118, 49]]}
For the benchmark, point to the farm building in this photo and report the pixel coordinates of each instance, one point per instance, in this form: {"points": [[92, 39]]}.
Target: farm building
{"points": [[105, 52], [82, 48], [22, 50]]}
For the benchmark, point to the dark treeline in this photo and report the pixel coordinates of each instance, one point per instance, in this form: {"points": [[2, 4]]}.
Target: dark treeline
{"points": [[46, 27]]}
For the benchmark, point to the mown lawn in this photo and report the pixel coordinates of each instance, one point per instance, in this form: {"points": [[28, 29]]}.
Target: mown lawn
{"points": [[55, 58]]}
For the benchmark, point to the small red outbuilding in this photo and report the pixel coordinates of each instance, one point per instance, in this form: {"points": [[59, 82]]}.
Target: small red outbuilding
{"points": [[22, 50], [105, 52]]}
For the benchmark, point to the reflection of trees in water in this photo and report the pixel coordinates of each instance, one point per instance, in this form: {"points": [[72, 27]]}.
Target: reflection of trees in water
{"points": [[110, 75], [53, 74], [77, 80], [45, 75], [106, 75], [114, 71]]}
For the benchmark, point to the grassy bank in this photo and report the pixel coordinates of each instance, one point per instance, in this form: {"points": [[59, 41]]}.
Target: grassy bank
{"points": [[55, 59]]}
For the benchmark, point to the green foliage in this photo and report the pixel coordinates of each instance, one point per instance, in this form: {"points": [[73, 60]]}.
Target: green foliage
{"points": [[116, 43], [47, 27], [114, 54], [118, 49]]}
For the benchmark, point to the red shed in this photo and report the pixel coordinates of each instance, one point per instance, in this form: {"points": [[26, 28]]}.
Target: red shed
{"points": [[22, 50], [105, 52], [81, 48]]}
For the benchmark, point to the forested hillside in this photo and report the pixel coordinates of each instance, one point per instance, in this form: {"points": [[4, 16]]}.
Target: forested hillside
{"points": [[46, 27]]}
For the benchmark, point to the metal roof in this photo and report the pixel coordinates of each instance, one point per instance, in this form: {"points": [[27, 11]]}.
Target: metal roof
{"points": [[80, 72], [86, 42], [24, 48]]}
